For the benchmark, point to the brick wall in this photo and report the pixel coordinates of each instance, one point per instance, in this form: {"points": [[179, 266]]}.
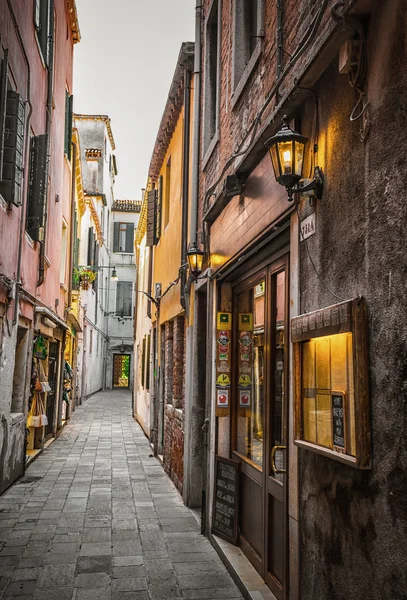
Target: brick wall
{"points": [[235, 121], [174, 394]]}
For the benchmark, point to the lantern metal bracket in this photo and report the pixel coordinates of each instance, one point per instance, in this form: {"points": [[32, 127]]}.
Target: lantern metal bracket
{"points": [[313, 189]]}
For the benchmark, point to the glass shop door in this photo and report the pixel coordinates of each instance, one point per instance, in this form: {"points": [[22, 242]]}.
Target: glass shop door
{"points": [[259, 430]]}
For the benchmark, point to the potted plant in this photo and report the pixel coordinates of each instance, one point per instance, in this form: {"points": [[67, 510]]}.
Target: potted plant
{"points": [[84, 276]]}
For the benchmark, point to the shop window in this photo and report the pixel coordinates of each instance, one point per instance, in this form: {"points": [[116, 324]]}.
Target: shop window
{"points": [[124, 297], [123, 237], [248, 25], [331, 383], [212, 75]]}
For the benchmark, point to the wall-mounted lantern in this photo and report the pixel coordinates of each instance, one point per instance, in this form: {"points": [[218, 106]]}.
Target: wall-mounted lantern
{"points": [[195, 260], [114, 276], [287, 156]]}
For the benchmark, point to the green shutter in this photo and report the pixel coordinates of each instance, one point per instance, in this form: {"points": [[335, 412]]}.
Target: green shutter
{"points": [[37, 188], [130, 238], [116, 237]]}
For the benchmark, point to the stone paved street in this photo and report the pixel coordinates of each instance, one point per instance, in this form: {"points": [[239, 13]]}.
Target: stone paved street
{"points": [[96, 518]]}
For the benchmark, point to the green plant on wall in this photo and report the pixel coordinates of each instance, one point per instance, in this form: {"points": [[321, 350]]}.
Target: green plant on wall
{"points": [[84, 275]]}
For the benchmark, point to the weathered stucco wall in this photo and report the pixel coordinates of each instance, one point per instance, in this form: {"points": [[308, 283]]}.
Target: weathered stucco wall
{"points": [[354, 524]]}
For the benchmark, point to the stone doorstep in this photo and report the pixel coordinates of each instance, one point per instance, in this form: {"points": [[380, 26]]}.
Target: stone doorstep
{"points": [[48, 443], [247, 579]]}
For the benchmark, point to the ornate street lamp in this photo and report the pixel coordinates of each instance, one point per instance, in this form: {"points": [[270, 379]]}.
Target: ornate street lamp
{"points": [[195, 259], [114, 276], [287, 157]]}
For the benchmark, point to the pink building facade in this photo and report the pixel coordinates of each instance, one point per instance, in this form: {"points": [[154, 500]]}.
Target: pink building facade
{"points": [[36, 197]]}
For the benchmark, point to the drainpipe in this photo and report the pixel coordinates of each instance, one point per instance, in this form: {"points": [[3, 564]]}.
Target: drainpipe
{"points": [[27, 128], [48, 123], [185, 175], [196, 130]]}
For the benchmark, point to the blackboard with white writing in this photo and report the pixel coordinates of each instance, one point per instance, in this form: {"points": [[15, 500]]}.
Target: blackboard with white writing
{"points": [[338, 421], [226, 499]]}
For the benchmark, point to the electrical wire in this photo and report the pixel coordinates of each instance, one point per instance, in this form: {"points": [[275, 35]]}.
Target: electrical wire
{"points": [[312, 262]]}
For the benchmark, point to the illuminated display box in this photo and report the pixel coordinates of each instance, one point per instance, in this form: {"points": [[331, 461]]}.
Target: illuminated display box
{"points": [[331, 391]]}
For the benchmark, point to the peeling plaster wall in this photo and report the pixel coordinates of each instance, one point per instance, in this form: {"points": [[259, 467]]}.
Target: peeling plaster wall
{"points": [[353, 524]]}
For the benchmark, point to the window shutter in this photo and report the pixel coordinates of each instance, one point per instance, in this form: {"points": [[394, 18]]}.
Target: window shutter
{"points": [[147, 386], [3, 102], [151, 206], [143, 362], [116, 237], [130, 238], [91, 248], [12, 178], [68, 124], [159, 210], [37, 188]]}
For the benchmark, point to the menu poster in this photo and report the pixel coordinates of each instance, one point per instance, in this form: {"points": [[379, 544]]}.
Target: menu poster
{"points": [[245, 360], [338, 421], [225, 506], [223, 362]]}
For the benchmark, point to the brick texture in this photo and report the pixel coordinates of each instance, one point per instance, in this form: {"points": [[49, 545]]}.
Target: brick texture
{"points": [[173, 451]]}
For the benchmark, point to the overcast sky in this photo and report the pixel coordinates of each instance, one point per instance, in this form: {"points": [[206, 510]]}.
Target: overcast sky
{"points": [[123, 68]]}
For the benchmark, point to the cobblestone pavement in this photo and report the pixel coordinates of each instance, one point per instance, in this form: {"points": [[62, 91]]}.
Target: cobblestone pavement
{"points": [[96, 518]]}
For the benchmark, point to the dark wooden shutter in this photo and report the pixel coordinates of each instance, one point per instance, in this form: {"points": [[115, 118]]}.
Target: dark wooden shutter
{"points": [[12, 177], [3, 103], [37, 188], [151, 206], [68, 124], [91, 248], [116, 237], [147, 386], [150, 229], [130, 238], [143, 362], [159, 209]]}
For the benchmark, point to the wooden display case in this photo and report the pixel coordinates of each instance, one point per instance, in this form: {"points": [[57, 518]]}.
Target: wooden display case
{"points": [[331, 390]]}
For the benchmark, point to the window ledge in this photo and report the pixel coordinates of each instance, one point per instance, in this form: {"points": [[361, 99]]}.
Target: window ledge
{"points": [[210, 149], [29, 240], [246, 74], [4, 205]]}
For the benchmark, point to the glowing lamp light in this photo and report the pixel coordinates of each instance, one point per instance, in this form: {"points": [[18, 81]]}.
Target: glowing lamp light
{"points": [[286, 150], [114, 276], [195, 260]]}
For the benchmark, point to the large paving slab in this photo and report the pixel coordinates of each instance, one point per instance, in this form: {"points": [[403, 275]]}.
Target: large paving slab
{"points": [[96, 518]]}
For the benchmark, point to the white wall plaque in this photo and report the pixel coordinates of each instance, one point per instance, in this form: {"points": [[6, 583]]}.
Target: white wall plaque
{"points": [[307, 227]]}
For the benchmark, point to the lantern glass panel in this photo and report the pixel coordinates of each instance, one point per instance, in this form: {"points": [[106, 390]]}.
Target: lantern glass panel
{"points": [[299, 158], [285, 150], [275, 161]]}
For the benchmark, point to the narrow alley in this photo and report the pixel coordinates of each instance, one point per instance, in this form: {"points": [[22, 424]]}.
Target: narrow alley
{"points": [[96, 517]]}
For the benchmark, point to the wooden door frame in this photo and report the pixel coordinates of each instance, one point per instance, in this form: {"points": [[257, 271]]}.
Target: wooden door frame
{"points": [[121, 354], [266, 270]]}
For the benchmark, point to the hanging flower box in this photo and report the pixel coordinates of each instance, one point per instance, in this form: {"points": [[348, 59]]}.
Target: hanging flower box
{"points": [[84, 276]]}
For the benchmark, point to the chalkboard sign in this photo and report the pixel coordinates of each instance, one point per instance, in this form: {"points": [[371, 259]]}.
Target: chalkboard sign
{"points": [[226, 500], [338, 421]]}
